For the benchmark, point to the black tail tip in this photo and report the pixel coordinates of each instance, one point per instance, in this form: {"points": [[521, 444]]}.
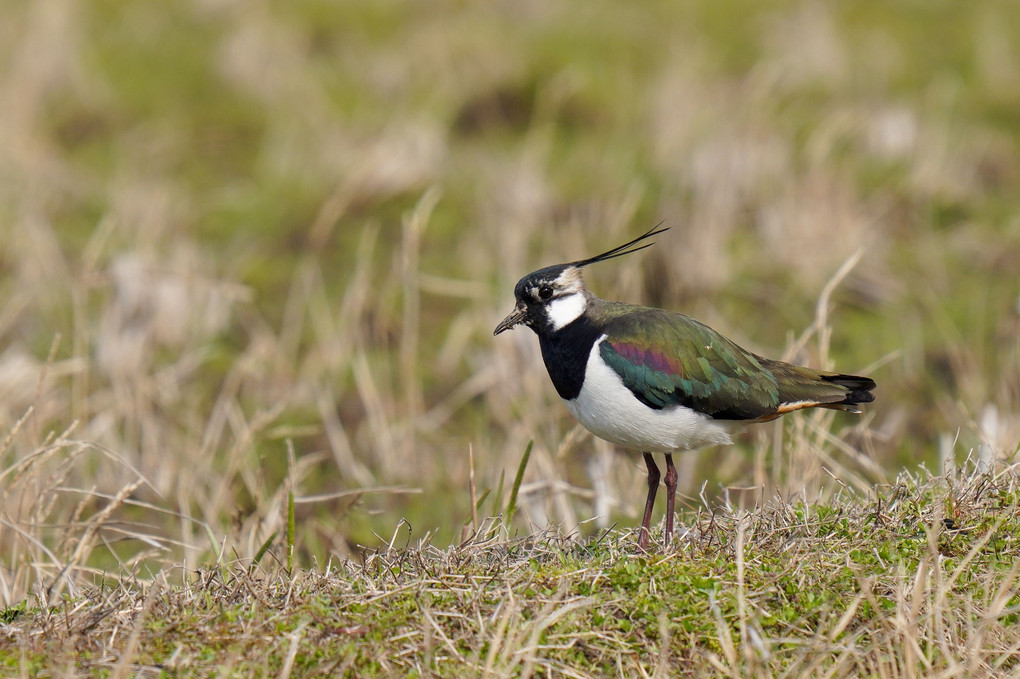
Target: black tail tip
{"points": [[859, 387]]}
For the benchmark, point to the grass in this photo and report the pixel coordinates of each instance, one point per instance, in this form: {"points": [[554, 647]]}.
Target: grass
{"points": [[921, 578], [252, 256]]}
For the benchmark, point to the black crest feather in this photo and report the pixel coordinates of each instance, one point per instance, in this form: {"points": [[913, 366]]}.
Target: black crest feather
{"points": [[625, 249]]}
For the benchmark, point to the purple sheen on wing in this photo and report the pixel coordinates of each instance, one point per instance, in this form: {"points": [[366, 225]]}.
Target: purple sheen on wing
{"points": [[649, 358]]}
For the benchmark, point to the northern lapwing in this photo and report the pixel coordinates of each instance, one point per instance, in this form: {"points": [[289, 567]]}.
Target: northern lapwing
{"points": [[657, 381]]}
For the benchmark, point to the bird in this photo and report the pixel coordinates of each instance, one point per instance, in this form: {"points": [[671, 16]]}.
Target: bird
{"points": [[657, 381]]}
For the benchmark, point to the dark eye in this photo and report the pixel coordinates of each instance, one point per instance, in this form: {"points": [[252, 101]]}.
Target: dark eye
{"points": [[544, 292]]}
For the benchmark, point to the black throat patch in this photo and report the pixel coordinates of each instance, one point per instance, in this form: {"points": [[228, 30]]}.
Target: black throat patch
{"points": [[566, 355]]}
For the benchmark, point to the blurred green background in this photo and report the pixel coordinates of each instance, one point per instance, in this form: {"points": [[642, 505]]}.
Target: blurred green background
{"points": [[233, 225]]}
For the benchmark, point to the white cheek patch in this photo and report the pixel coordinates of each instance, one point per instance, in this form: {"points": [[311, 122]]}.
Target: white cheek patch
{"points": [[565, 310]]}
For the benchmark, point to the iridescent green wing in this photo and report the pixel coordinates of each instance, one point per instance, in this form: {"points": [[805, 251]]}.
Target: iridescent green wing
{"points": [[669, 359]]}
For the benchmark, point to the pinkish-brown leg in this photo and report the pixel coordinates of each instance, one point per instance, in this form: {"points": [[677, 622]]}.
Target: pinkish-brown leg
{"points": [[653, 487], [671, 480]]}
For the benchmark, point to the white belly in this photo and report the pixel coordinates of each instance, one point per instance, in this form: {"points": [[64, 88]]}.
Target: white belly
{"points": [[609, 410]]}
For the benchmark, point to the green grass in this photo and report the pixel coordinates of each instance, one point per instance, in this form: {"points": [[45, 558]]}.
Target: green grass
{"points": [[921, 578], [251, 260]]}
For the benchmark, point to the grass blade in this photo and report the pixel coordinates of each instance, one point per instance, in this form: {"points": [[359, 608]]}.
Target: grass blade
{"points": [[290, 531], [512, 507], [264, 548]]}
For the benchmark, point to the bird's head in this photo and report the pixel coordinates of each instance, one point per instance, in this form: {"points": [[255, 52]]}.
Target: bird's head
{"points": [[548, 299], [552, 298]]}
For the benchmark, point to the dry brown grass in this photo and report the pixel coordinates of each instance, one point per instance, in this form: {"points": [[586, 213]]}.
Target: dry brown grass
{"points": [[919, 580]]}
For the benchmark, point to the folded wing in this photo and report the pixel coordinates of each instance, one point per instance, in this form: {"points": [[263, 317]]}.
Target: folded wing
{"points": [[668, 359]]}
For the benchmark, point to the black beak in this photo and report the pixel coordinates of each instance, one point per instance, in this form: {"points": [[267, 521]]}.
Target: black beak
{"points": [[516, 317]]}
